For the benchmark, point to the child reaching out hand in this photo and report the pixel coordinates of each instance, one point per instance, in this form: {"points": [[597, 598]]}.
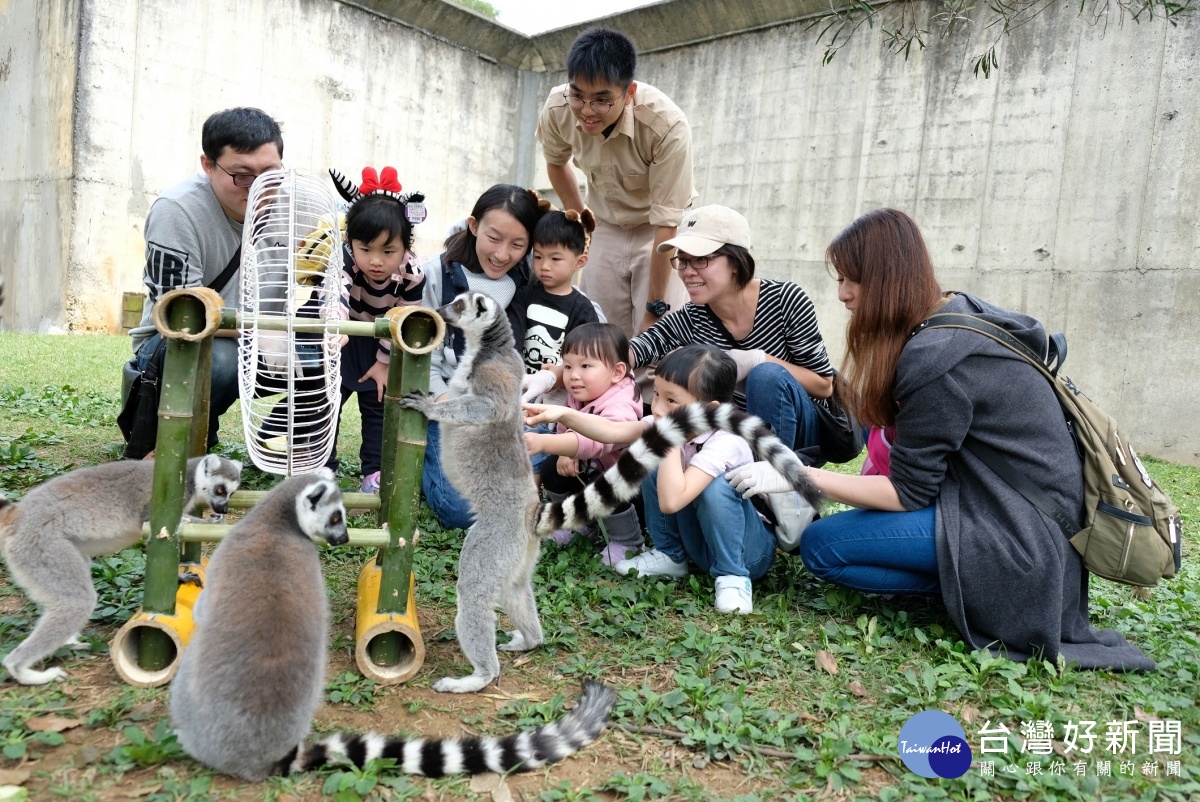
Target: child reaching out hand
{"points": [[694, 515], [597, 381]]}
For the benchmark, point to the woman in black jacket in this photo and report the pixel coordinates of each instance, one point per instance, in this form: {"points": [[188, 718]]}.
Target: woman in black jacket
{"points": [[943, 522]]}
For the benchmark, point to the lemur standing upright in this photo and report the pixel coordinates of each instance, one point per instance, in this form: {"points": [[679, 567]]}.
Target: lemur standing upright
{"points": [[484, 457], [253, 675], [49, 538]]}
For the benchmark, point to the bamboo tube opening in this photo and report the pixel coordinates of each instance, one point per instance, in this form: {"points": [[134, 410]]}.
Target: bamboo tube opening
{"points": [[409, 335], [208, 299], [124, 651], [387, 646]]}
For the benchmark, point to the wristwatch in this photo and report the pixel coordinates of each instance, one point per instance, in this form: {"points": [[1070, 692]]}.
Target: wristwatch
{"points": [[658, 308]]}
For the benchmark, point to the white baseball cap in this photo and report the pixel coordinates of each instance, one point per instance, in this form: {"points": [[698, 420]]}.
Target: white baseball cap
{"points": [[707, 228]]}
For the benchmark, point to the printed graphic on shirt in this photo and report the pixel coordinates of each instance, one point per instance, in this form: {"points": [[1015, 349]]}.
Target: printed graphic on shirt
{"points": [[168, 269], [545, 331]]}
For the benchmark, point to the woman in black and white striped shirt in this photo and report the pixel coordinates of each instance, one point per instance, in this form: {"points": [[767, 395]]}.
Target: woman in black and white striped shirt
{"points": [[769, 327]]}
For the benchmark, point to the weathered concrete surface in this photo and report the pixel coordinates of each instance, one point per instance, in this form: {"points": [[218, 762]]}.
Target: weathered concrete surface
{"points": [[350, 88], [1067, 185], [37, 88]]}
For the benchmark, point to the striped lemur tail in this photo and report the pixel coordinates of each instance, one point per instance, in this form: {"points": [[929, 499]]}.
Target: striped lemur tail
{"points": [[622, 482], [522, 751]]}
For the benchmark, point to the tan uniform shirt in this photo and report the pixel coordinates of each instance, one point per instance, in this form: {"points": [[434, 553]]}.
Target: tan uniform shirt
{"points": [[641, 172]]}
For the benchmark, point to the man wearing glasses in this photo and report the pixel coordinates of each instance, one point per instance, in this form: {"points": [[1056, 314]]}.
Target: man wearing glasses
{"points": [[635, 147], [194, 234]]}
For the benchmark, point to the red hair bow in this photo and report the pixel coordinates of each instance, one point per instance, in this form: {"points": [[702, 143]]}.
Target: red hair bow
{"points": [[388, 181]]}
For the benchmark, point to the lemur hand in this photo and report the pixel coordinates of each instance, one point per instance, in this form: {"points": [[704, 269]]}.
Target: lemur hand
{"points": [[535, 384], [758, 477], [418, 400], [746, 361]]}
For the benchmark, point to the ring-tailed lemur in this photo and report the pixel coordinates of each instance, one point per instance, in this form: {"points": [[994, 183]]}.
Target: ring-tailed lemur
{"points": [[623, 481], [248, 684], [49, 538], [484, 457]]}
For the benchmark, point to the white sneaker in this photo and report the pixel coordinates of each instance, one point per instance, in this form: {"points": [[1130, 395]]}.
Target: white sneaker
{"points": [[652, 563], [734, 595], [792, 515]]}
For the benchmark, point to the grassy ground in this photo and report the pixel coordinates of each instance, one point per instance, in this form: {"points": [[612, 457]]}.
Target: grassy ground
{"points": [[805, 698]]}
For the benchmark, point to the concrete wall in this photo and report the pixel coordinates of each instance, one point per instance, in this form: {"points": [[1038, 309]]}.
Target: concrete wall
{"points": [[1067, 185], [37, 88], [349, 87]]}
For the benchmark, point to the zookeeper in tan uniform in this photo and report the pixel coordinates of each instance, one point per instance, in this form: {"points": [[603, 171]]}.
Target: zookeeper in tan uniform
{"points": [[635, 147]]}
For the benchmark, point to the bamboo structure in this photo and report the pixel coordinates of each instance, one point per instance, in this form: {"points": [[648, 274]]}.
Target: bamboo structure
{"points": [[146, 650]]}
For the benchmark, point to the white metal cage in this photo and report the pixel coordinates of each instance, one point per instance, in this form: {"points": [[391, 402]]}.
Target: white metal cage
{"points": [[290, 368]]}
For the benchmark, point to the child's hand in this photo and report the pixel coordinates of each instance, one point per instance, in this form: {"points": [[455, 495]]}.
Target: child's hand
{"points": [[345, 338], [543, 413], [379, 373], [533, 444], [568, 466]]}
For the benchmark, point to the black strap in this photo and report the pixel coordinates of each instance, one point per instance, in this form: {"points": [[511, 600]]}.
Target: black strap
{"points": [[1022, 484], [220, 281], [999, 464]]}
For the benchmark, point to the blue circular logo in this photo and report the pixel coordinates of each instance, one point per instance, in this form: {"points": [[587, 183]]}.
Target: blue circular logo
{"points": [[932, 744]]}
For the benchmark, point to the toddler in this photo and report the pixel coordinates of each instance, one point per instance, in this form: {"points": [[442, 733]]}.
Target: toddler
{"points": [[595, 359]]}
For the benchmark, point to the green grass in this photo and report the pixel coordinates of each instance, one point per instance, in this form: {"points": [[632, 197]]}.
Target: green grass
{"points": [[805, 697]]}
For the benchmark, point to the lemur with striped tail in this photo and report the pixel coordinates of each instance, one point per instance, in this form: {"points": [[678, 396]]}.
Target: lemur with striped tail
{"points": [[253, 675], [484, 457]]}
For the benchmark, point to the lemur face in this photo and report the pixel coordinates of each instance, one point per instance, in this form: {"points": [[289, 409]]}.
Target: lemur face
{"points": [[471, 310]]}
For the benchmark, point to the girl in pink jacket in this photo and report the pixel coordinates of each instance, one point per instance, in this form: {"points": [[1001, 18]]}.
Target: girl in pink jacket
{"points": [[596, 376]]}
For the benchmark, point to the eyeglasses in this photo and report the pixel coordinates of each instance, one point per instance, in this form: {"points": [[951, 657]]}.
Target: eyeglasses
{"points": [[241, 180], [599, 106], [695, 262]]}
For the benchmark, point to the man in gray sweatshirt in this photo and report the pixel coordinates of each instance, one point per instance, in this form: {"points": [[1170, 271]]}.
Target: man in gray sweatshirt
{"points": [[194, 234]]}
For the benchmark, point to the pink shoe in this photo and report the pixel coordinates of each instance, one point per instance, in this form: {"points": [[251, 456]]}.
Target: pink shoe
{"points": [[614, 553], [562, 536]]}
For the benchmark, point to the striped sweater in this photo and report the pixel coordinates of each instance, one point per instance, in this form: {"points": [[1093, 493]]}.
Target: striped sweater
{"points": [[365, 300], [785, 327]]}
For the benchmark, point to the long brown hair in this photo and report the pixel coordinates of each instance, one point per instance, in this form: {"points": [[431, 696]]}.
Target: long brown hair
{"points": [[884, 253]]}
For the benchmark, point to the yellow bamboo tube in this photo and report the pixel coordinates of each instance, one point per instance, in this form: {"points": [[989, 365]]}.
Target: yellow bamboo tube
{"points": [[177, 627], [369, 625]]}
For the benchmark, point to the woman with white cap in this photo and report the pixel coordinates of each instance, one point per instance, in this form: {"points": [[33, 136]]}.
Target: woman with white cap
{"points": [[769, 327]]}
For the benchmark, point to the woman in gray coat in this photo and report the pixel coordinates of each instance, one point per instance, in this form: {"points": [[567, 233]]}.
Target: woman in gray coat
{"points": [[943, 522]]}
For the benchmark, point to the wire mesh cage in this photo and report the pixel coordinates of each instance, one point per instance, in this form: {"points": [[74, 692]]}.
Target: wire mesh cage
{"points": [[288, 352]]}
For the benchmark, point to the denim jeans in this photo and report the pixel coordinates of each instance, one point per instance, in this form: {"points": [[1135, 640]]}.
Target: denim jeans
{"points": [[223, 390], [774, 395], [874, 551], [450, 508], [719, 531]]}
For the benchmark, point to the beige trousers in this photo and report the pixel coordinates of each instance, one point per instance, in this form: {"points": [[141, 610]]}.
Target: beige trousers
{"points": [[617, 277]]}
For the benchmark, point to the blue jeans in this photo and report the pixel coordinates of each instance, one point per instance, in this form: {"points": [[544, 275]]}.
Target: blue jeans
{"points": [[719, 531], [775, 396], [874, 551], [223, 390], [450, 508]]}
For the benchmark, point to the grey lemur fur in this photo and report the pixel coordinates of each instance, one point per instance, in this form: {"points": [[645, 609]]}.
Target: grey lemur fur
{"points": [[252, 677], [49, 538], [484, 457]]}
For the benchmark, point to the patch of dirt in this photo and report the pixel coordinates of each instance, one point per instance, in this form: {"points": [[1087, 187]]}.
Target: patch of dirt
{"points": [[78, 766]]}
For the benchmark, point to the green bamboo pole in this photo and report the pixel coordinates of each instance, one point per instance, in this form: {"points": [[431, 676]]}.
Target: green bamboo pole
{"points": [[400, 482], [198, 434], [155, 650]]}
